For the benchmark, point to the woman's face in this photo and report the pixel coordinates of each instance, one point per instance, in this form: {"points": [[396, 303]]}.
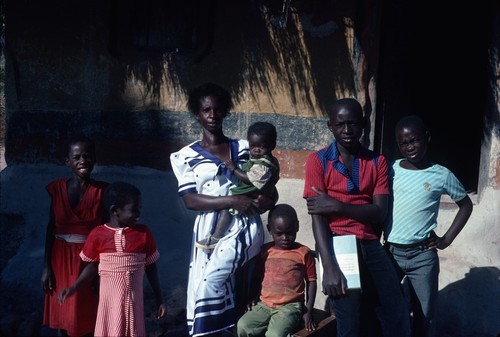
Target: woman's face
{"points": [[210, 115]]}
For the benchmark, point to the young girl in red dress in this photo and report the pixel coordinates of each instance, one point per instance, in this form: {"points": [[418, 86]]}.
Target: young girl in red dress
{"points": [[121, 251], [75, 210]]}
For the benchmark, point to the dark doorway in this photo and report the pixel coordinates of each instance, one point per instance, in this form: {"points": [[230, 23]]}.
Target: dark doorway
{"points": [[434, 63]]}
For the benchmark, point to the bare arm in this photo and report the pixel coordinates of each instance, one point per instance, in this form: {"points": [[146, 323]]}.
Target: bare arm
{"points": [[48, 280], [464, 211], [240, 174], [242, 203], [154, 281], [333, 280], [309, 323], [87, 274], [255, 286], [374, 213]]}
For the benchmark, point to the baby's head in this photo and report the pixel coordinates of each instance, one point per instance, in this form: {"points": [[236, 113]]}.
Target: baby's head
{"points": [[261, 139], [283, 225]]}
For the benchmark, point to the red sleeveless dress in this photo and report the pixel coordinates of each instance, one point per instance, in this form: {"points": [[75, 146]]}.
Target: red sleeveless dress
{"points": [[77, 315]]}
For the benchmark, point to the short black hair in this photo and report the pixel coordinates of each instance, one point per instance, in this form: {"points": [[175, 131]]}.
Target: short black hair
{"points": [[411, 121], [81, 139], [119, 194], [284, 211], [348, 102], [265, 129], [209, 89]]}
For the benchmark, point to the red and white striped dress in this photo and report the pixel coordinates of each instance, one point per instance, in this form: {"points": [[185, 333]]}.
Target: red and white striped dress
{"points": [[122, 254]]}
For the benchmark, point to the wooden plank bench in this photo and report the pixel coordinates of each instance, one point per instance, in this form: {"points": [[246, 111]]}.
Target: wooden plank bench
{"points": [[326, 325]]}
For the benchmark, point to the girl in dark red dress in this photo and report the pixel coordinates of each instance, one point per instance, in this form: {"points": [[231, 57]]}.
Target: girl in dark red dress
{"points": [[75, 209]]}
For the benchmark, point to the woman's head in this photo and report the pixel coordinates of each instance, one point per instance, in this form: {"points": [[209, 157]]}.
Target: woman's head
{"points": [[225, 102]]}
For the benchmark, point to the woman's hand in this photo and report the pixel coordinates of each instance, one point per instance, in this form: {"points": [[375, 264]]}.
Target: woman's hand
{"points": [[245, 205], [265, 203]]}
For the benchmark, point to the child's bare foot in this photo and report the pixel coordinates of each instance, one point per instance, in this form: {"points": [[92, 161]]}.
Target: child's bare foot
{"points": [[208, 243]]}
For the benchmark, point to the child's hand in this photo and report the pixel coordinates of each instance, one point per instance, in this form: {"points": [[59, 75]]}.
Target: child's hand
{"points": [[309, 323], [48, 281], [230, 165], [436, 242], [64, 293], [162, 311], [251, 304]]}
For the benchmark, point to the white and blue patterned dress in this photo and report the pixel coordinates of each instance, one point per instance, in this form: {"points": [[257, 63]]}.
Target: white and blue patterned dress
{"points": [[211, 283]]}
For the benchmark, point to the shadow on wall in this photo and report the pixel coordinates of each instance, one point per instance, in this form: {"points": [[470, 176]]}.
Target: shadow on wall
{"points": [[468, 307]]}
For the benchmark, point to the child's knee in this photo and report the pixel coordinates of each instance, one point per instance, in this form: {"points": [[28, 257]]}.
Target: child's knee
{"points": [[252, 323], [242, 327]]}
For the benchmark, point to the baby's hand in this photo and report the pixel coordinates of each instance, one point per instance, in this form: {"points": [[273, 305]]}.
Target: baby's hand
{"points": [[230, 165], [162, 311]]}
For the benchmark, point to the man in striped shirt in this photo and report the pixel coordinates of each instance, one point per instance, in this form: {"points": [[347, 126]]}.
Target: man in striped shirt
{"points": [[347, 192]]}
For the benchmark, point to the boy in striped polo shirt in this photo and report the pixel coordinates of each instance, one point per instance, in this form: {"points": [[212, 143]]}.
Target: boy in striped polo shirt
{"points": [[347, 192], [417, 185]]}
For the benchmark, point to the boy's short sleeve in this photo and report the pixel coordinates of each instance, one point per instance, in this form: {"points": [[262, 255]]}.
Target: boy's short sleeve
{"points": [[454, 187], [310, 263], [382, 181], [314, 176]]}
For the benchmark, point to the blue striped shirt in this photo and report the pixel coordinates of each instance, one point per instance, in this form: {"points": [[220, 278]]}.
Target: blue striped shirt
{"points": [[416, 195]]}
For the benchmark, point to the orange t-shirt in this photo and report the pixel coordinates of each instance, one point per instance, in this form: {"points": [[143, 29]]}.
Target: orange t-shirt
{"points": [[286, 272]]}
